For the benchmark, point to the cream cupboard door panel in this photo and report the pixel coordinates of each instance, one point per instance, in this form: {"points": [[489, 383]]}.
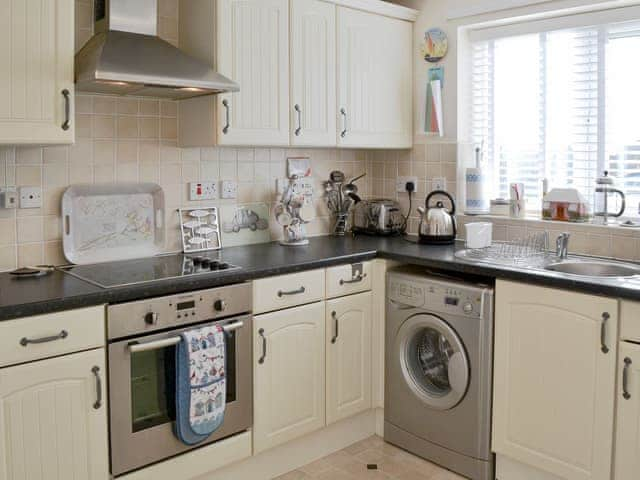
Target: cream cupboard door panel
{"points": [[348, 356], [627, 456], [289, 375], [313, 73], [253, 50], [36, 54], [375, 80], [50, 428], [554, 387]]}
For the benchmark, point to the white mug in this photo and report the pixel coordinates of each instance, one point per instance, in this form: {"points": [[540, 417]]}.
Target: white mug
{"points": [[479, 234]]}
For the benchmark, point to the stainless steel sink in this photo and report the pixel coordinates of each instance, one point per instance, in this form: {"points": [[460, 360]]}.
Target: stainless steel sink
{"points": [[594, 268]]}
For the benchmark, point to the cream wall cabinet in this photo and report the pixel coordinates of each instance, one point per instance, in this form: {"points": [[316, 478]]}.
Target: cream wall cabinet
{"points": [[292, 60], [627, 455], [313, 73], [288, 375], [375, 80], [349, 326], [554, 381], [36, 78], [53, 426]]}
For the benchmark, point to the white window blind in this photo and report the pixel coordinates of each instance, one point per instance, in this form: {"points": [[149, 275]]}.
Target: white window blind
{"points": [[561, 105]]}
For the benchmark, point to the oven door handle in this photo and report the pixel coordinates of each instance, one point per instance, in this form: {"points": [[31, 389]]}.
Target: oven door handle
{"points": [[135, 347]]}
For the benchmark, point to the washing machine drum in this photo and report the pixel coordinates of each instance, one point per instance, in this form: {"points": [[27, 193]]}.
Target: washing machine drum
{"points": [[433, 361]]}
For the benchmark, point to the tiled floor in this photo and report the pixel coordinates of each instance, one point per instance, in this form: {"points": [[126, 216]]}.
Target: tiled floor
{"points": [[351, 464]]}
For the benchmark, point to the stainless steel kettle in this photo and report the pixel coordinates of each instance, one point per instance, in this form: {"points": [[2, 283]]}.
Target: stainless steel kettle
{"points": [[438, 224]]}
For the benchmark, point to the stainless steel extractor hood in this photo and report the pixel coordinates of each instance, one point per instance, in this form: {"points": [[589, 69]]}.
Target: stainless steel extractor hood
{"points": [[126, 57]]}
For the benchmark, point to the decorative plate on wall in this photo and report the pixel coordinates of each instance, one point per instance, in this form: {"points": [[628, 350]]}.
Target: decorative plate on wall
{"points": [[435, 45]]}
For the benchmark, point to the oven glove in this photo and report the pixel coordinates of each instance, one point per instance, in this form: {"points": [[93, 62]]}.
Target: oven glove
{"points": [[200, 383]]}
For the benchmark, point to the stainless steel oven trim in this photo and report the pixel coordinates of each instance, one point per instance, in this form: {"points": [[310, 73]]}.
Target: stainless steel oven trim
{"points": [[132, 450]]}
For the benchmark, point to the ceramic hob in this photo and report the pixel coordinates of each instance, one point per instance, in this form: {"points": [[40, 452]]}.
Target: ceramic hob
{"points": [[153, 269]]}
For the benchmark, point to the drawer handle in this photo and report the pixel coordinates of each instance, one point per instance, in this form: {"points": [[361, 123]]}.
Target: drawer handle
{"points": [[24, 341], [96, 373], [625, 378], [291, 292], [356, 279], [264, 346], [603, 333], [67, 109], [334, 315]]}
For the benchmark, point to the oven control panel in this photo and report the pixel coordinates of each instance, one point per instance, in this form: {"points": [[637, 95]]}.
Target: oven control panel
{"points": [[149, 315]]}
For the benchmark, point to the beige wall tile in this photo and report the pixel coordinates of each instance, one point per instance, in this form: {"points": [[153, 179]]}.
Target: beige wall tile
{"points": [[28, 156], [52, 227], [127, 106], [28, 175], [127, 126], [84, 104], [104, 173], [149, 127], [169, 128], [30, 254], [84, 126], [170, 174], [168, 108], [103, 152], [52, 200], [8, 258], [81, 151], [53, 254], [55, 175], [105, 105], [150, 107], [55, 154], [79, 173], [127, 151], [127, 172], [7, 231], [30, 230], [104, 126]]}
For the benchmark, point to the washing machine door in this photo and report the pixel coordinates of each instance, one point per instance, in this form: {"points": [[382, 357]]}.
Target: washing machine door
{"points": [[433, 361]]}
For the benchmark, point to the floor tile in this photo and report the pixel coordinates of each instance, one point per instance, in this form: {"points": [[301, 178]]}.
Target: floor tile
{"points": [[295, 475]]}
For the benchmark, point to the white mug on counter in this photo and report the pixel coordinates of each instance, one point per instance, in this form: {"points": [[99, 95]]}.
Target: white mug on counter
{"points": [[479, 234]]}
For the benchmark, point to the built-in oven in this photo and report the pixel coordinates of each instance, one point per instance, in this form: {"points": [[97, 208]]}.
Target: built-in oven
{"points": [[142, 349]]}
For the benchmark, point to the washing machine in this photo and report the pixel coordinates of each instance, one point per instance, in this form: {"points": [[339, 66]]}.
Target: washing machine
{"points": [[438, 370]]}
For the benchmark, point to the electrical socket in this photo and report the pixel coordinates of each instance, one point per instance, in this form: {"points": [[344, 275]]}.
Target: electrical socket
{"points": [[401, 184], [30, 197], [203, 191], [439, 183], [8, 198], [229, 189]]}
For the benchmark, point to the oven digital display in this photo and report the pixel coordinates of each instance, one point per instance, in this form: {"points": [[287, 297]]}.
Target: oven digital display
{"points": [[186, 305], [453, 301]]}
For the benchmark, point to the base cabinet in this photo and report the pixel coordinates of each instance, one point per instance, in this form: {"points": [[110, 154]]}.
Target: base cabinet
{"points": [[349, 328], [52, 426], [288, 374], [554, 381], [627, 457]]}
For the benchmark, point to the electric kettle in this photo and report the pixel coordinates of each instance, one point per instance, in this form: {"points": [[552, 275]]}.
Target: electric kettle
{"points": [[438, 224]]}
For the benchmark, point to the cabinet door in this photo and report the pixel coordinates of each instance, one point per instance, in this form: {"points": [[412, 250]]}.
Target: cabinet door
{"points": [[554, 380], [375, 80], [52, 427], [253, 50], [313, 73], [627, 457], [289, 375], [36, 53], [348, 356]]}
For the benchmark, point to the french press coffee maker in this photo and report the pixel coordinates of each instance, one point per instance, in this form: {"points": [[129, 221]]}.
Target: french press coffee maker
{"points": [[605, 188]]}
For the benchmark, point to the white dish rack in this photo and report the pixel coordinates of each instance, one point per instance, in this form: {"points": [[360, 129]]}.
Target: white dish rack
{"points": [[530, 251]]}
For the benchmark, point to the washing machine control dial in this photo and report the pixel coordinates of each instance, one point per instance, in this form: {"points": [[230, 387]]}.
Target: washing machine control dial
{"points": [[467, 308]]}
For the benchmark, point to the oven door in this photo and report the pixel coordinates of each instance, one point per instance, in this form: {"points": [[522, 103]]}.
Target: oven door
{"points": [[142, 394]]}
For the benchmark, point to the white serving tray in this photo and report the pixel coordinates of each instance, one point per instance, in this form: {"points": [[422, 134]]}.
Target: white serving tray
{"points": [[103, 223]]}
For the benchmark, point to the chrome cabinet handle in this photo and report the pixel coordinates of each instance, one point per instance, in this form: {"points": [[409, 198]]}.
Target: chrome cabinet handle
{"points": [[356, 279], [136, 347], [264, 346], [625, 378], [603, 333], [298, 110], [292, 292], [225, 104], [67, 109], [96, 372], [343, 112], [334, 315], [24, 341]]}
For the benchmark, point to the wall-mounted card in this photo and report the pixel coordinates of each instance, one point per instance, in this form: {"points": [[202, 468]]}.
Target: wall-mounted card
{"points": [[245, 224]]}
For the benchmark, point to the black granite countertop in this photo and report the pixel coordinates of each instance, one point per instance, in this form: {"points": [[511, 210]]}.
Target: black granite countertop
{"points": [[20, 297]]}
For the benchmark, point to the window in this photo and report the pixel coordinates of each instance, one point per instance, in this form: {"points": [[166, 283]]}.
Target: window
{"points": [[561, 104]]}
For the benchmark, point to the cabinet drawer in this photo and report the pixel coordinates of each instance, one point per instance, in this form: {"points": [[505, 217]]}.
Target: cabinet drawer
{"points": [[630, 321], [32, 338], [348, 279], [275, 293]]}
